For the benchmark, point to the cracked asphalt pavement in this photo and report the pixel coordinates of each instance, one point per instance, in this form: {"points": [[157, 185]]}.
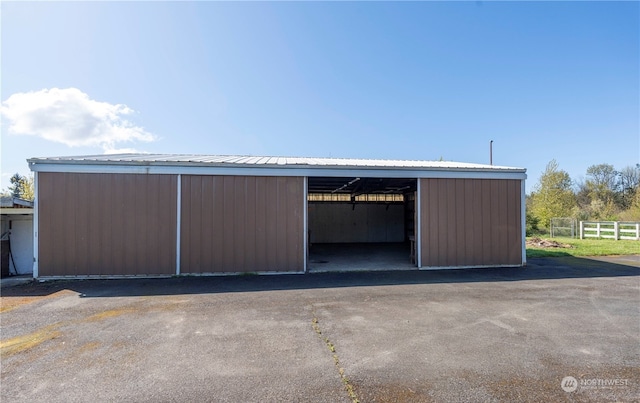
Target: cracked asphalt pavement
{"points": [[455, 335]]}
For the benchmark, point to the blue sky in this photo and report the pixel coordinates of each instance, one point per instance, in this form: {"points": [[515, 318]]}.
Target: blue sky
{"points": [[412, 80]]}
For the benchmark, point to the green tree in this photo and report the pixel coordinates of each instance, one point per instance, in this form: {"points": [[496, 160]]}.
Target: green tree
{"points": [[553, 195], [629, 181], [602, 183], [633, 212], [22, 187]]}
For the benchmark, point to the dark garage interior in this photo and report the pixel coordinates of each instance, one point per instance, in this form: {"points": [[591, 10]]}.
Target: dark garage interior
{"points": [[361, 223]]}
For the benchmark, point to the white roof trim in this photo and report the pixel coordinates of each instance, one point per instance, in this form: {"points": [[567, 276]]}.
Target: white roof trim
{"points": [[270, 166]]}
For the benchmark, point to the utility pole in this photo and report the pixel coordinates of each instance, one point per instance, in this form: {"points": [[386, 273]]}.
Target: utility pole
{"points": [[491, 152]]}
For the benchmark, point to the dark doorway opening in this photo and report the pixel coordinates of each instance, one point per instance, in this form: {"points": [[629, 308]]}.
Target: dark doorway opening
{"points": [[361, 224]]}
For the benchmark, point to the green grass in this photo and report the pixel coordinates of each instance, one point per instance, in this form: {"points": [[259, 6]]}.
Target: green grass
{"points": [[587, 247]]}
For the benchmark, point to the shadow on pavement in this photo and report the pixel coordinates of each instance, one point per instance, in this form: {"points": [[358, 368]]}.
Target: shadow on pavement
{"points": [[566, 267]]}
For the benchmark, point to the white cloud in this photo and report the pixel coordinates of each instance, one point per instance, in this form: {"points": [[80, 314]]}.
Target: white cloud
{"points": [[70, 117]]}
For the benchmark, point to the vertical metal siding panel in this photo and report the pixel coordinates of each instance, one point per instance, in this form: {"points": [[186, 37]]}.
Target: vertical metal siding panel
{"points": [[185, 224], [167, 217], [71, 229], [420, 231], [443, 218], [57, 232], [487, 240], [206, 237], [93, 224], [195, 249], [295, 186], [59, 223], [515, 230], [503, 236], [155, 255], [281, 202], [59, 214], [262, 243], [110, 232], [239, 219], [128, 184], [429, 222], [152, 253], [209, 223], [143, 227], [434, 210], [59, 211], [107, 229], [286, 214], [271, 223], [115, 224], [120, 194], [250, 225], [115, 206], [461, 221], [478, 222], [517, 196], [452, 249], [46, 266], [496, 221], [436, 213], [510, 219], [229, 224], [159, 229], [299, 201], [116, 198], [439, 220], [470, 222], [189, 234], [96, 224], [426, 222], [218, 214]]}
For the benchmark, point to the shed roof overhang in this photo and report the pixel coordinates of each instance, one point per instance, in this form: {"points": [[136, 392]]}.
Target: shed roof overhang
{"points": [[271, 166]]}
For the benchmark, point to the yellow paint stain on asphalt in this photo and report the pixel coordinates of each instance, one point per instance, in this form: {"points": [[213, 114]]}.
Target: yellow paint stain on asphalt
{"points": [[9, 303], [93, 345], [109, 314], [25, 342], [22, 343]]}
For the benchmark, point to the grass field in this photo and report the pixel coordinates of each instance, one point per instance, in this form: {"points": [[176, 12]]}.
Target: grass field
{"points": [[587, 247]]}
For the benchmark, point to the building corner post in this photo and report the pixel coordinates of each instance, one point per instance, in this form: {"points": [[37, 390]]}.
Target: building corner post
{"points": [[523, 220], [418, 224], [305, 228], [178, 221], [35, 225]]}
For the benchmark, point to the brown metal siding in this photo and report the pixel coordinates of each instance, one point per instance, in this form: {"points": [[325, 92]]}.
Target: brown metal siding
{"points": [[470, 222], [241, 224], [106, 224]]}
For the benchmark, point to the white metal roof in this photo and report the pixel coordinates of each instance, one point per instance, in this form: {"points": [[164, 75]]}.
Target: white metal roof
{"points": [[195, 159], [263, 165]]}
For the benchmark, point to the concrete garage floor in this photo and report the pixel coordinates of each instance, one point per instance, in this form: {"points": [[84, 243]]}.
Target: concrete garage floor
{"points": [[414, 336], [337, 257]]}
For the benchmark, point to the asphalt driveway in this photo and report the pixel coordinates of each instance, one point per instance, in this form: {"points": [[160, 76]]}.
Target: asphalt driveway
{"points": [[457, 335]]}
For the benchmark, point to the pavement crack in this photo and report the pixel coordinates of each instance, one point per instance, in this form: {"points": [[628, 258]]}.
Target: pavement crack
{"points": [[315, 324]]}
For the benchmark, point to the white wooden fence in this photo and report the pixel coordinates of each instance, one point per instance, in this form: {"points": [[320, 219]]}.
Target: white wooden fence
{"points": [[610, 229]]}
